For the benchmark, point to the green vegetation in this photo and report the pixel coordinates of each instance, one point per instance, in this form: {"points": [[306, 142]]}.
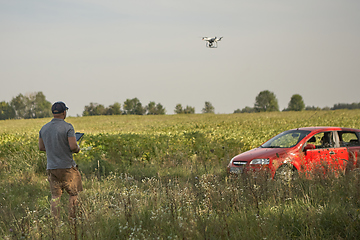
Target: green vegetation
{"points": [[266, 101], [296, 103], [34, 105], [164, 177]]}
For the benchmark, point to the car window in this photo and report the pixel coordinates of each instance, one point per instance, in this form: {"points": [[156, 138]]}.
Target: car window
{"points": [[286, 139], [322, 140], [348, 138]]}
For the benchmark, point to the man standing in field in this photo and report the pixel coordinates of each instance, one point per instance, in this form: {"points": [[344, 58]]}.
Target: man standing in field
{"points": [[57, 138]]}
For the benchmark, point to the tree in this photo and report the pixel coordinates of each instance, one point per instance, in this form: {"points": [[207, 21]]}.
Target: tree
{"points": [[114, 109], [34, 105], [160, 110], [247, 110], [151, 108], [266, 102], [208, 108], [155, 109], [6, 111], [178, 109], [94, 109], [133, 107], [312, 108], [296, 103], [19, 105], [189, 110], [41, 107]]}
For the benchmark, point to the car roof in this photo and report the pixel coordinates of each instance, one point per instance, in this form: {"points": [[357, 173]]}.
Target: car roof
{"points": [[321, 128]]}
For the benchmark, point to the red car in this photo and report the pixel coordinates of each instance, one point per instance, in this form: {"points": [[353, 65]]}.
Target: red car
{"points": [[302, 150]]}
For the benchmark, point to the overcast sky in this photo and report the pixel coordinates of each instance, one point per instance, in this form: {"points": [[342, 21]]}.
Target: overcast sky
{"points": [[104, 51]]}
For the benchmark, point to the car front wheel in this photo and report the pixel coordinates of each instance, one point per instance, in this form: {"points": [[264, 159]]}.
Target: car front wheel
{"points": [[286, 173]]}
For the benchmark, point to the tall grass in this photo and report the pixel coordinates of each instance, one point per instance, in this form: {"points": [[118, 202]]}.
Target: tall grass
{"points": [[152, 177]]}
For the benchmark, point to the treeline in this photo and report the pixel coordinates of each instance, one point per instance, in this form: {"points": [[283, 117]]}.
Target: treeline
{"points": [[135, 107], [130, 107], [35, 105], [346, 106], [266, 101]]}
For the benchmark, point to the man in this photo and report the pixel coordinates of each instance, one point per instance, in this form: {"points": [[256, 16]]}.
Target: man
{"points": [[57, 138]]}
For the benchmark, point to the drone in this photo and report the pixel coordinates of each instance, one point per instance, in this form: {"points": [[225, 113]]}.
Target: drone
{"points": [[211, 42]]}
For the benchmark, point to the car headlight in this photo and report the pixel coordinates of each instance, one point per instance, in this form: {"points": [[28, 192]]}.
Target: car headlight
{"points": [[260, 161]]}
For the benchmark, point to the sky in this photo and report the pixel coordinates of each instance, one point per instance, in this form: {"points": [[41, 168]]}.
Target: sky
{"points": [[83, 51]]}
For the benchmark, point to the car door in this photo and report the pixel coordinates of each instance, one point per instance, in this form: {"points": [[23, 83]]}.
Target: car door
{"points": [[350, 140], [338, 155], [326, 154]]}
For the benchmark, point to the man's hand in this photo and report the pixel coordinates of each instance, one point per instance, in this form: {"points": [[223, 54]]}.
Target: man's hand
{"points": [[41, 145]]}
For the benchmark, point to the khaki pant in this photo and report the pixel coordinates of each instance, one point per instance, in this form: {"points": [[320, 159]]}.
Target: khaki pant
{"points": [[68, 179]]}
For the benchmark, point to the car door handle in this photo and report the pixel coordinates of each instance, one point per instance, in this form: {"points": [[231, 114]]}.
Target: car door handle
{"points": [[332, 153]]}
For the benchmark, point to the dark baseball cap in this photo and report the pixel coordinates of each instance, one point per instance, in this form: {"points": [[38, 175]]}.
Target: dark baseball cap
{"points": [[58, 107]]}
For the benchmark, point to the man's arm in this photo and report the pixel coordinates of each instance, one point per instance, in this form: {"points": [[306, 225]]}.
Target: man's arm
{"points": [[41, 145], [74, 147]]}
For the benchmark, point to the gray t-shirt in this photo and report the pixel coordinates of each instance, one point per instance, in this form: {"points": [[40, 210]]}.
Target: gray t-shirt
{"points": [[55, 137]]}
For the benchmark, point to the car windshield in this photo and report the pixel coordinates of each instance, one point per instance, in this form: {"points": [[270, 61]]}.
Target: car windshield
{"points": [[286, 139]]}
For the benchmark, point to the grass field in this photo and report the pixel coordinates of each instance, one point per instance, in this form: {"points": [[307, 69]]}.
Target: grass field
{"points": [[163, 177]]}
